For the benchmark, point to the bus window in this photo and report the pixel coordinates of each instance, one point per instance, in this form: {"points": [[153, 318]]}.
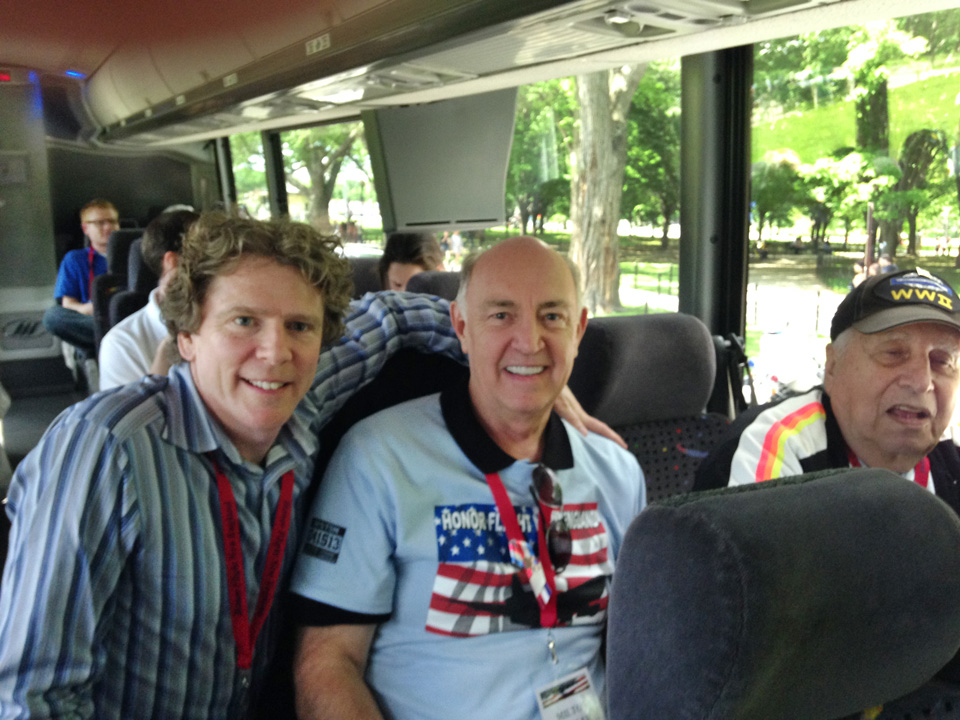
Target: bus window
{"points": [[542, 179], [650, 205], [329, 181], [250, 175], [851, 176]]}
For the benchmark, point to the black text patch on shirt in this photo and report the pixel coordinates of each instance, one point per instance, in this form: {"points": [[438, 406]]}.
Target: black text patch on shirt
{"points": [[324, 540]]}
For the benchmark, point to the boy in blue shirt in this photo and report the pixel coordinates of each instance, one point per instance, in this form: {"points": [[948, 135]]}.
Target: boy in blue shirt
{"points": [[71, 318]]}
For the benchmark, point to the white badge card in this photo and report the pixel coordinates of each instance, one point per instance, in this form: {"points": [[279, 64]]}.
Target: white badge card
{"points": [[572, 697]]}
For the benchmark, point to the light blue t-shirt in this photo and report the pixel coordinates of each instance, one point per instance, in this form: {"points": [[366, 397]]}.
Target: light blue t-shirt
{"points": [[406, 525]]}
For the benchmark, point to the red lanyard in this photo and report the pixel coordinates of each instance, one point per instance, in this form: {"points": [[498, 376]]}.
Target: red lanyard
{"points": [[921, 473], [508, 516], [244, 633], [90, 253]]}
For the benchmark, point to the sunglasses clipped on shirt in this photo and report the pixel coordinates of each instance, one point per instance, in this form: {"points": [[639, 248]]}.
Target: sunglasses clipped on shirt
{"points": [[547, 492]]}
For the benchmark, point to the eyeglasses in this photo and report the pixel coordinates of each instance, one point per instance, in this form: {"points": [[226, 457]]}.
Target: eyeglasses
{"points": [[547, 492], [101, 223]]}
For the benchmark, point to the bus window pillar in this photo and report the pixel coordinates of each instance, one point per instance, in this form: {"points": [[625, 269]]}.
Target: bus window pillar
{"points": [[276, 175], [228, 186], [715, 187]]}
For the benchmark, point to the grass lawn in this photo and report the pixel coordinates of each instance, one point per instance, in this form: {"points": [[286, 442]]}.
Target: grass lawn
{"points": [[816, 132]]}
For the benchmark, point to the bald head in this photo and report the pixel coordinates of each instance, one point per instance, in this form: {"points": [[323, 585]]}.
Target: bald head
{"points": [[534, 255]]}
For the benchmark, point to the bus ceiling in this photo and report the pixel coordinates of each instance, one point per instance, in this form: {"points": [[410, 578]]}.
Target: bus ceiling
{"points": [[152, 74]]}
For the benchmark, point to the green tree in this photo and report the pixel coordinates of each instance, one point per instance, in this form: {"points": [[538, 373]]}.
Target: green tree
{"points": [[872, 48], [792, 71], [880, 176], [940, 29], [956, 176], [651, 189], [553, 197], [775, 64], [249, 175], [539, 156], [832, 190], [823, 53], [597, 170], [321, 152], [896, 206], [923, 154], [775, 187], [313, 158]]}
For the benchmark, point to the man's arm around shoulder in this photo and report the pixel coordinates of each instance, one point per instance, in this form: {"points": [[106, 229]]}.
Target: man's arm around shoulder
{"points": [[328, 673]]}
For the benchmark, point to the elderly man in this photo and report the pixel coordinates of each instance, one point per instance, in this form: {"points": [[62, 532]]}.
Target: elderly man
{"points": [[140, 344], [153, 523], [459, 554], [888, 395]]}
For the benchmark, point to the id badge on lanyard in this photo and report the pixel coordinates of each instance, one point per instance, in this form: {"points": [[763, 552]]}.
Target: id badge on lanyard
{"points": [[572, 697]]}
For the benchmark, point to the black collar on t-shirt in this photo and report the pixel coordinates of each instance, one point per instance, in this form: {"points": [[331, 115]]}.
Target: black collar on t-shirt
{"points": [[480, 448]]}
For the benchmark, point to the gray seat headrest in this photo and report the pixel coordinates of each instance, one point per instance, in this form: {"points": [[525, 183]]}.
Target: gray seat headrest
{"points": [[365, 272], [812, 597], [442, 283], [641, 368]]}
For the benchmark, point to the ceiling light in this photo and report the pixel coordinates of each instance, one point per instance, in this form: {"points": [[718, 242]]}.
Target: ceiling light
{"points": [[617, 17]]}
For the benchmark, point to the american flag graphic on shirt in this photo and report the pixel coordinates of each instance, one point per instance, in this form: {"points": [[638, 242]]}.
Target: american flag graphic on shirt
{"points": [[478, 590]]}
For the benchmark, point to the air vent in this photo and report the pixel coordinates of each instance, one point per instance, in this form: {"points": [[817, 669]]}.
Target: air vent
{"points": [[24, 332], [415, 77], [627, 30]]}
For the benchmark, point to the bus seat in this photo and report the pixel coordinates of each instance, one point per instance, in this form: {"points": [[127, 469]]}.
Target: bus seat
{"points": [[442, 283], [124, 304], [140, 281], [140, 278], [815, 597], [366, 275], [118, 249], [649, 377], [114, 280], [102, 291]]}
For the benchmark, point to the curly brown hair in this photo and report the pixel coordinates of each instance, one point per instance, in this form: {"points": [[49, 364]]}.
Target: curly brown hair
{"points": [[216, 243]]}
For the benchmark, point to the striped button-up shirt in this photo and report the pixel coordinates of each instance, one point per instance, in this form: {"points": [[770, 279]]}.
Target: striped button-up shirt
{"points": [[114, 597]]}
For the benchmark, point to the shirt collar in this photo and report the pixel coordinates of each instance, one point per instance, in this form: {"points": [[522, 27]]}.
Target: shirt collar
{"points": [[153, 306], [190, 425], [480, 448]]}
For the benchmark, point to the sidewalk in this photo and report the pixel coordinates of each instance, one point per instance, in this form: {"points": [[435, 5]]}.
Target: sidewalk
{"points": [[781, 291]]}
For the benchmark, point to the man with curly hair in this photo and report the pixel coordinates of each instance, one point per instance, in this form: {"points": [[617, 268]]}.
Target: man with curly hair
{"points": [[153, 523]]}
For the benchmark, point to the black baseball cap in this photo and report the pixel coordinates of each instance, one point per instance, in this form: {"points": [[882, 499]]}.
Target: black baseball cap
{"points": [[889, 300]]}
